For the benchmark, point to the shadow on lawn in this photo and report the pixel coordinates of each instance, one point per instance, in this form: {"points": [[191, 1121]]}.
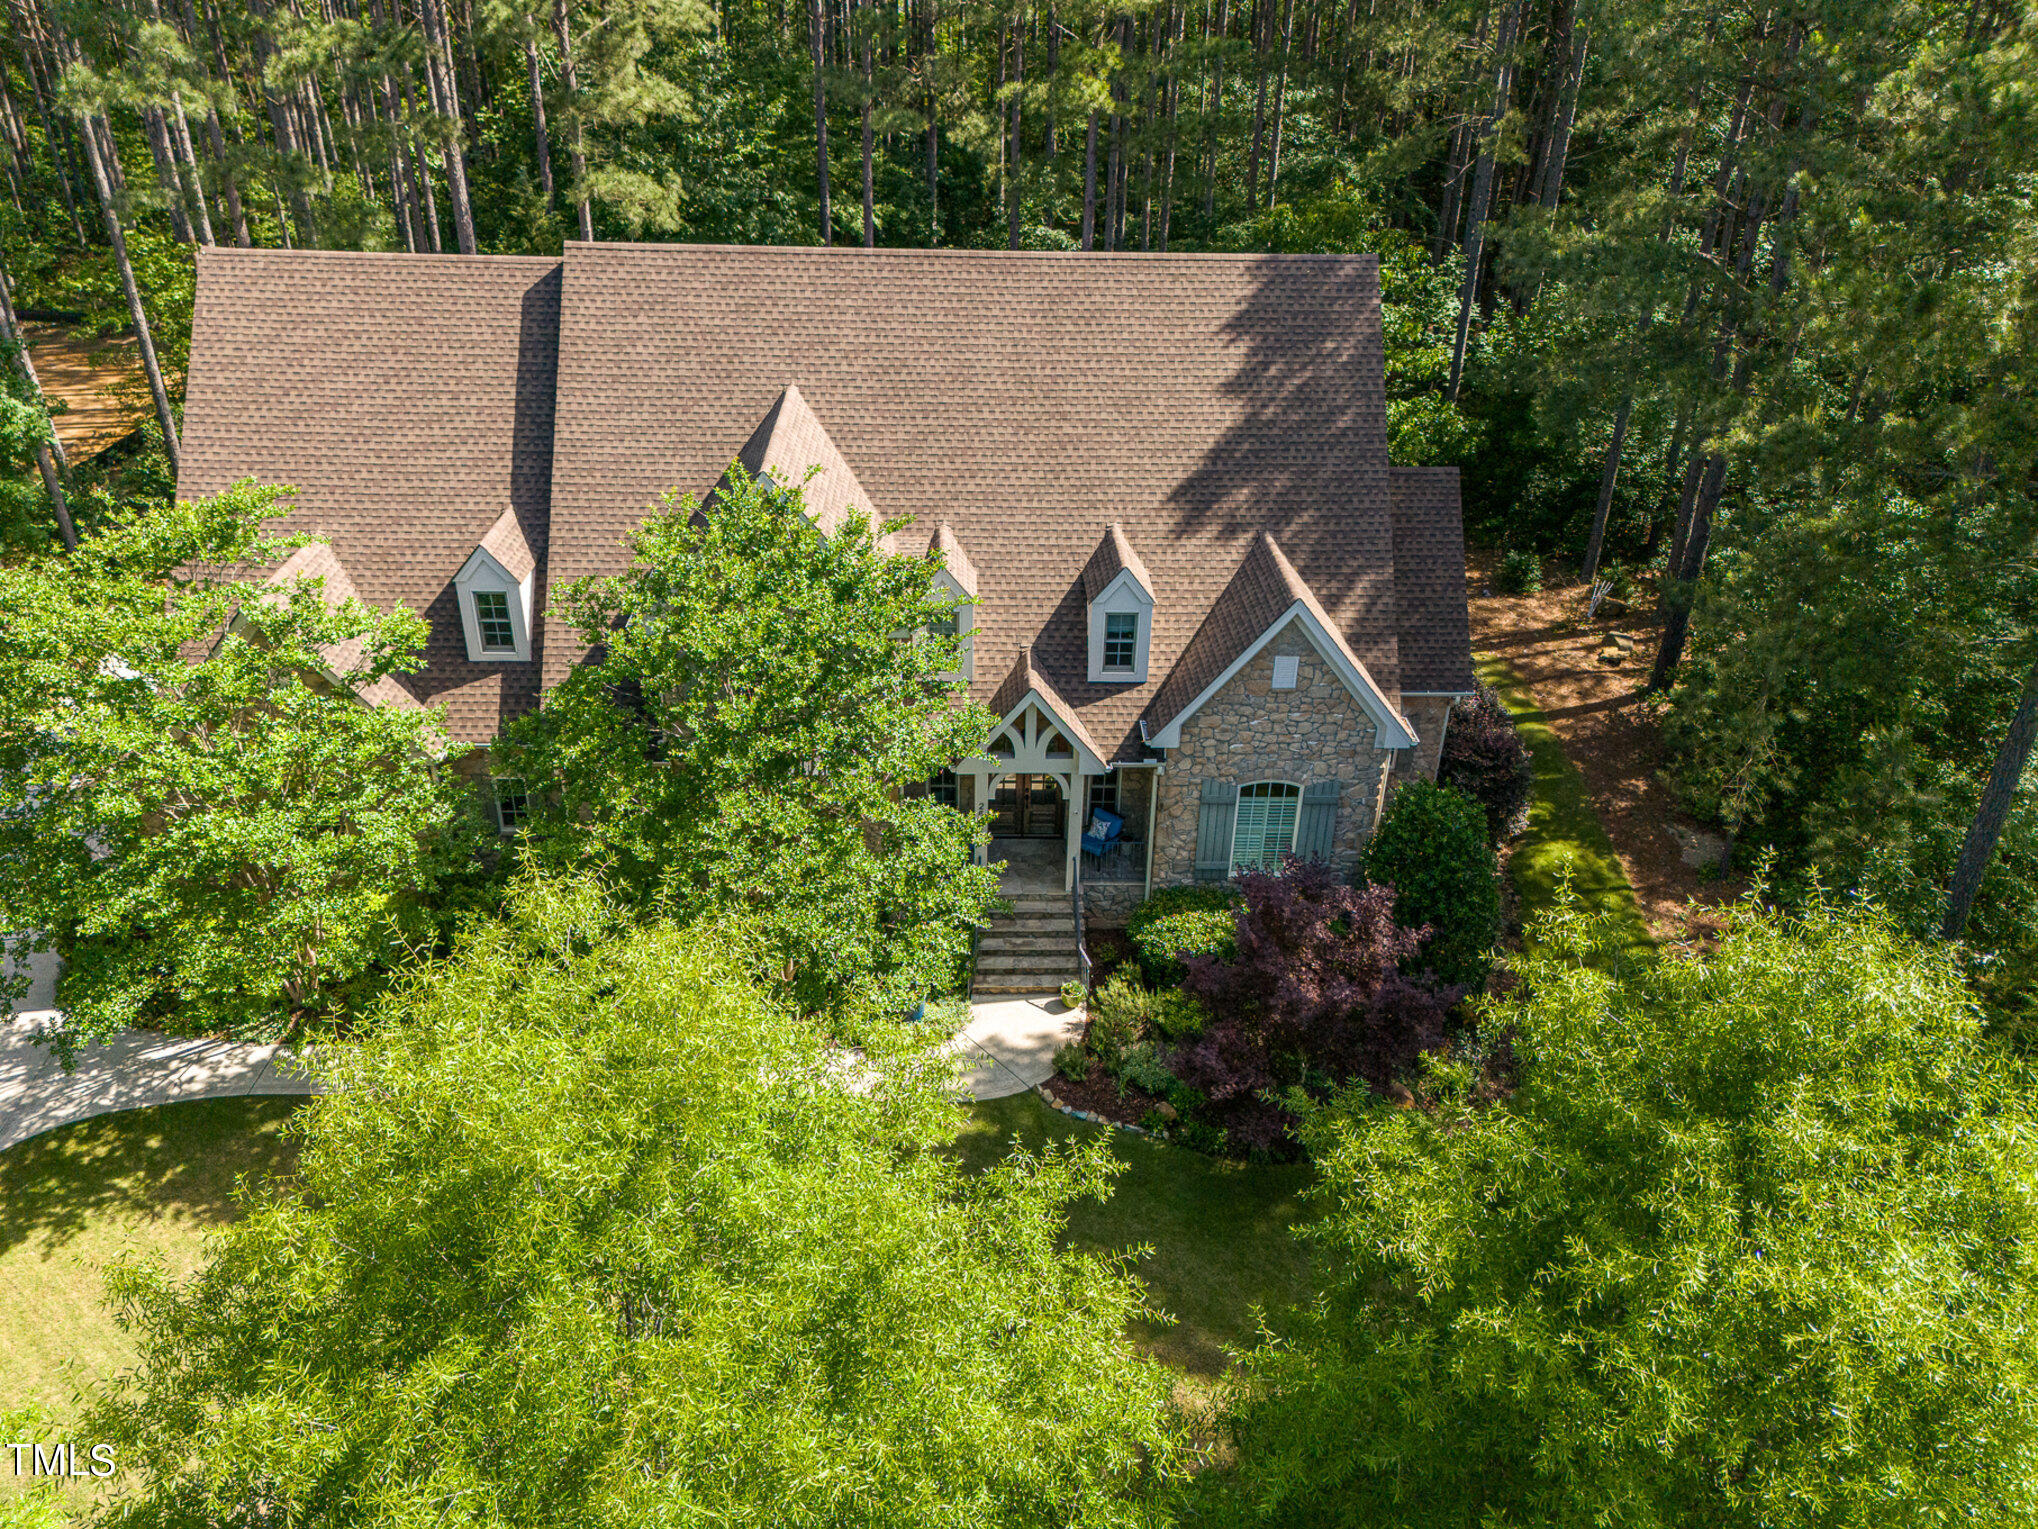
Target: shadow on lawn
{"points": [[172, 1161], [1219, 1235]]}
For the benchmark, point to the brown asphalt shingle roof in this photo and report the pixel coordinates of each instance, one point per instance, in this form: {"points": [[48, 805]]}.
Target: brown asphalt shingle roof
{"points": [[1263, 590], [1429, 579], [792, 445], [1113, 556], [507, 544], [954, 557], [1024, 677], [1030, 401], [409, 400]]}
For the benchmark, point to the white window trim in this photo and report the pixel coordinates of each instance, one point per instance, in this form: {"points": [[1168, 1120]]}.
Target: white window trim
{"points": [[483, 574], [965, 624], [1238, 807], [1124, 595], [495, 785]]}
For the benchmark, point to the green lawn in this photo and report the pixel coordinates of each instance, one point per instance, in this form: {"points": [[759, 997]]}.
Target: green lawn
{"points": [[1565, 835], [1219, 1231], [72, 1199]]}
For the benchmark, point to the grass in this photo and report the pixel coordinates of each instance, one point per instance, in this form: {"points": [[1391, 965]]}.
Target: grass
{"points": [[1218, 1232], [71, 1200], [1565, 837]]}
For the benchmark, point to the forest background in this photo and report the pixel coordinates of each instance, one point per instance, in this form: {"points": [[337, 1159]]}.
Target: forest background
{"points": [[1734, 298]]}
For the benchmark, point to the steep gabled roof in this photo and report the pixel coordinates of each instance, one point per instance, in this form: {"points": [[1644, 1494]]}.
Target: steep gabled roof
{"points": [[409, 399], [1022, 680], [1114, 555], [316, 560], [1028, 400], [505, 542], [1263, 595], [790, 443], [944, 543]]}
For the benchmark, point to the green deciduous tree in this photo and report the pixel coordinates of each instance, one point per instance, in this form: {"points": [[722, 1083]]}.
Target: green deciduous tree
{"points": [[1751, 1244], [589, 1232], [194, 802], [741, 739]]}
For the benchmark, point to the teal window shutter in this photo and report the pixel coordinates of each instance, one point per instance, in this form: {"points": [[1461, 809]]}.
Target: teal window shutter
{"points": [[1213, 830], [1316, 833]]}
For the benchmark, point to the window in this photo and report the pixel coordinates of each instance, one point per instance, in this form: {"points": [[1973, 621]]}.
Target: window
{"points": [[1265, 829], [512, 804], [491, 613], [942, 787], [1286, 666], [1121, 639], [1104, 793], [943, 625]]}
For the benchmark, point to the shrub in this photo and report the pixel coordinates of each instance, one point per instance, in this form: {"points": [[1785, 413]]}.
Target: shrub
{"points": [[1072, 1061], [1484, 757], [1118, 1012], [1431, 849], [1521, 573], [1177, 1015], [1144, 1068], [1313, 997], [1181, 921]]}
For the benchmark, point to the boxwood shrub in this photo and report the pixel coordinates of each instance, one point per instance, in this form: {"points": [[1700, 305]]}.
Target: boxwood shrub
{"points": [[1431, 848], [1182, 921]]}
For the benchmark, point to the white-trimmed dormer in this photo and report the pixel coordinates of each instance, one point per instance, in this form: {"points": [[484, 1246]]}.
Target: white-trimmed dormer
{"points": [[495, 588], [1120, 595], [956, 579]]}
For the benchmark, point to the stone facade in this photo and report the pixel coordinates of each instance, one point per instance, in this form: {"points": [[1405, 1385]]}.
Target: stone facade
{"points": [[1108, 904], [1250, 732]]}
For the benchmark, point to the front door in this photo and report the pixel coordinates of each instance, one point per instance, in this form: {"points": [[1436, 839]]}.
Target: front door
{"points": [[1027, 807]]}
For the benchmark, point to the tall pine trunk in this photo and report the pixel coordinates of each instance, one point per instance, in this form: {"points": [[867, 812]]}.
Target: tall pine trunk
{"points": [[1597, 539], [439, 73], [817, 12], [1482, 190], [869, 106], [1090, 185], [1983, 834], [1688, 569], [576, 152], [117, 238], [1015, 195], [542, 141], [49, 454], [1280, 101]]}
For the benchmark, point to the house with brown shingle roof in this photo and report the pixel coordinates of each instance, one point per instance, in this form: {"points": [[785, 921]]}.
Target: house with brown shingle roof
{"points": [[1199, 597]]}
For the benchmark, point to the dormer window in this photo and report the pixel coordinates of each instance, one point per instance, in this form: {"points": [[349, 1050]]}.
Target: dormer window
{"points": [[1121, 640], [1120, 595], [491, 613], [494, 589]]}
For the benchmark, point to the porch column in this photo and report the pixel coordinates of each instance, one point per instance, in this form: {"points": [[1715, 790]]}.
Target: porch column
{"points": [[980, 804]]}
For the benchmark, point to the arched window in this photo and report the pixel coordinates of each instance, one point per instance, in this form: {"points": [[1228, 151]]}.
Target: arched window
{"points": [[1265, 828]]}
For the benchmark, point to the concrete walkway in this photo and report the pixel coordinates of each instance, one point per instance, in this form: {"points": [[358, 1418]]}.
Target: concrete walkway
{"points": [[132, 1072], [1009, 1044]]}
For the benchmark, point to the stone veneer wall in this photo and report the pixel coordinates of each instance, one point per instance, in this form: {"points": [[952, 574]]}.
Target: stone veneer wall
{"points": [[1108, 904], [1250, 731]]}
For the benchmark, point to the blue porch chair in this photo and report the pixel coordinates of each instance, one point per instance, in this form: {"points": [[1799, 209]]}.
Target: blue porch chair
{"points": [[1105, 827]]}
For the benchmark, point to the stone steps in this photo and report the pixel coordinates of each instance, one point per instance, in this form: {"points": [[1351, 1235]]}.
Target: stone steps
{"points": [[1030, 949]]}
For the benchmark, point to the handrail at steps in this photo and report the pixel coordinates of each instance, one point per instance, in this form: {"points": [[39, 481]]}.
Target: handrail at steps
{"points": [[1082, 950]]}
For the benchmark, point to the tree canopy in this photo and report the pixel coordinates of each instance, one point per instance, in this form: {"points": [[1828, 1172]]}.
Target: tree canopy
{"points": [[588, 1231], [1750, 1244], [195, 804], [761, 700]]}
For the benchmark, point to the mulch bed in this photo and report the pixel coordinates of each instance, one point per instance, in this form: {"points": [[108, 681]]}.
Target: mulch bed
{"points": [[1102, 1095]]}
